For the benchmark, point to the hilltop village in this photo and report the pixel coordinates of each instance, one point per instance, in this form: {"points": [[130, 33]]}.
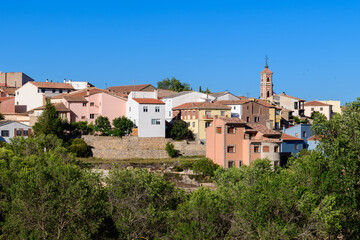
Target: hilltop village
{"points": [[236, 130]]}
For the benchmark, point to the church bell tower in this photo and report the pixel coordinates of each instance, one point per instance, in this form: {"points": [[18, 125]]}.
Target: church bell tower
{"points": [[266, 84]]}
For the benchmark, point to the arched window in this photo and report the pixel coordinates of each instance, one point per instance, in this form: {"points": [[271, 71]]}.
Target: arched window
{"points": [[268, 79]]}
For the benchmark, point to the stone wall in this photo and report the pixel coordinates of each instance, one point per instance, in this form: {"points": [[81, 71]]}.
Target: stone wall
{"points": [[134, 147]]}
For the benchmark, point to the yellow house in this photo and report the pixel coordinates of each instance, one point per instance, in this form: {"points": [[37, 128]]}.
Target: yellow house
{"points": [[199, 115]]}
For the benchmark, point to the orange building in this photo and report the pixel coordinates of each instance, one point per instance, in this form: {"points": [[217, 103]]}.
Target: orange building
{"points": [[232, 142]]}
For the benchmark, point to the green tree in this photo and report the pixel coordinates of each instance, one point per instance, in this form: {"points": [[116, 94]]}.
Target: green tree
{"points": [[122, 126], [79, 147], [170, 149], [102, 124], [141, 203], [49, 122], [205, 166], [173, 84], [179, 130]]}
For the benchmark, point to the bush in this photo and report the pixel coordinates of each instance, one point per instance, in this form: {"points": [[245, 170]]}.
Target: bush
{"points": [[80, 148], [179, 130], [170, 149], [122, 126], [205, 166]]}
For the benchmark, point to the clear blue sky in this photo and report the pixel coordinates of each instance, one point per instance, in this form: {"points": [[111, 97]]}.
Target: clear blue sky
{"points": [[313, 46]]}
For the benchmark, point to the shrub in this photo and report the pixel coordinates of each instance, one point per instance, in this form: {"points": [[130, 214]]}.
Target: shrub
{"points": [[205, 166], [80, 148], [122, 126], [170, 149], [179, 131]]}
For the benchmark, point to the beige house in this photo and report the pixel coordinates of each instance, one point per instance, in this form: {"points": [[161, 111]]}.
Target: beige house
{"points": [[316, 106], [336, 106], [296, 105]]}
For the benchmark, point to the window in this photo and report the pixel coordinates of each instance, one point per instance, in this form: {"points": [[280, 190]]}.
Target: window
{"points": [[208, 113], [304, 146], [304, 134], [92, 104], [157, 109], [84, 104], [231, 164], [129, 109], [155, 121], [169, 113], [266, 149], [193, 124], [25, 133], [276, 149], [256, 119], [240, 163], [268, 79], [4, 133], [218, 130], [92, 116], [222, 113], [60, 91], [256, 149], [17, 93], [295, 105], [234, 107], [145, 109], [53, 91], [296, 146], [185, 113], [296, 134], [312, 109], [18, 133], [231, 130], [17, 103], [207, 124], [43, 90], [321, 109], [194, 114], [82, 117], [230, 149], [247, 119]]}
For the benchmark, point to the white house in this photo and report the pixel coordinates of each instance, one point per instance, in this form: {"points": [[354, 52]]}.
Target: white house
{"points": [[10, 129], [224, 96], [147, 113], [34, 94], [289, 102], [316, 106], [236, 106], [180, 98]]}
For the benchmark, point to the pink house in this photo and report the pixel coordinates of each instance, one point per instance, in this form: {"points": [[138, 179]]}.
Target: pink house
{"points": [[89, 104], [7, 104], [231, 142]]}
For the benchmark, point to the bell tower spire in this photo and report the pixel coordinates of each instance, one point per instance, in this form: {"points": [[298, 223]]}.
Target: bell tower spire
{"points": [[266, 84]]}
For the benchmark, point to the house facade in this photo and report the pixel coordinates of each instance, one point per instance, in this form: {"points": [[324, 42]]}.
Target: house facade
{"points": [[296, 105], [11, 129], [199, 116], [316, 106], [14, 79], [236, 106], [231, 142], [302, 131], [291, 144], [180, 98], [147, 113]]}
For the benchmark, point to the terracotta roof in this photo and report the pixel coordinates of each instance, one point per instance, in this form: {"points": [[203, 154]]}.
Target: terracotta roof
{"points": [[287, 137], [2, 99], [266, 70], [316, 103], [148, 101], [232, 102], [164, 93], [85, 92], [315, 138], [201, 105], [52, 85], [263, 129], [283, 94], [60, 107], [242, 97], [9, 90], [129, 88], [266, 104], [75, 98], [233, 120]]}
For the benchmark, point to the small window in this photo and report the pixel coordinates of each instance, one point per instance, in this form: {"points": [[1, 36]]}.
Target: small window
{"points": [[194, 114], [25, 133], [304, 134], [92, 104], [304, 146], [230, 149], [53, 91], [17, 93], [155, 121], [92, 116], [43, 90], [256, 149], [4, 133], [231, 130], [296, 147], [18, 133], [207, 124], [231, 164], [276, 149], [321, 109], [193, 124], [234, 107], [129, 109], [145, 109], [218, 130], [296, 134], [312, 109], [84, 104], [222, 113], [157, 109], [295, 105], [82, 117], [60, 91], [17, 103], [169, 113], [266, 149], [240, 163], [247, 119]]}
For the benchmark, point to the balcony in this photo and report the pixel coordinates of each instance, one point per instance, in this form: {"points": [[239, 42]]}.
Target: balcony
{"points": [[207, 116]]}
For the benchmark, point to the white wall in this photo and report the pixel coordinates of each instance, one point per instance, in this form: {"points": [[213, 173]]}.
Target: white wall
{"points": [[132, 111], [29, 96], [227, 96], [236, 110], [145, 126], [326, 110]]}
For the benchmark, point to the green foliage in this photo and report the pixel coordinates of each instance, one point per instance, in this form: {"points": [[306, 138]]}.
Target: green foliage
{"points": [[173, 84], [141, 203], [82, 127], [122, 126], [80, 148], [206, 91], [205, 166], [179, 130], [1, 117], [170, 149], [49, 122], [102, 124]]}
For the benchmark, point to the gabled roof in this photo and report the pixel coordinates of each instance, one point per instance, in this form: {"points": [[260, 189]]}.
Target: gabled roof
{"points": [[287, 137], [201, 105], [52, 85], [219, 94], [232, 102], [228, 120], [87, 92], [165, 93], [129, 88], [284, 95], [266, 104], [177, 94], [148, 101], [316, 103], [75, 98], [60, 107], [263, 129], [315, 138], [4, 122]]}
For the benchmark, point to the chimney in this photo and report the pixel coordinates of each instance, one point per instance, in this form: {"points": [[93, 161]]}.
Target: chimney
{"points": [[87, 89], [47, 80], [64, 80]]}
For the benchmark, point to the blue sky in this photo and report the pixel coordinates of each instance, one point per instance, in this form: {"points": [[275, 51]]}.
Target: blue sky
{"points": [[313, 46]]}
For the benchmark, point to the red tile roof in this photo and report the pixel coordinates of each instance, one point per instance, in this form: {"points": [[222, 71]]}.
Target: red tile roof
{"points": [[52, 85], [287, 137], [231, 102], [164, 93], [148, 101], [263, 129], [316, 103], [75, 98], [60, 107], [233, 120], [201, 105], [2, 99], [266, 70], [283, 94], [129, 88], [9, 90], [315, 138], [86, 92]]}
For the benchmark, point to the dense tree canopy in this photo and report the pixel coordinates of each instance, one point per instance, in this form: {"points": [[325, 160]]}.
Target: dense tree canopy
{"points": [[122, 126], [49, 122], [173, 84]]}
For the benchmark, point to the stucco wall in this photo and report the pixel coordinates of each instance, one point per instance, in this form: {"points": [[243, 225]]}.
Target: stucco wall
{"points": [[135, 147]]}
